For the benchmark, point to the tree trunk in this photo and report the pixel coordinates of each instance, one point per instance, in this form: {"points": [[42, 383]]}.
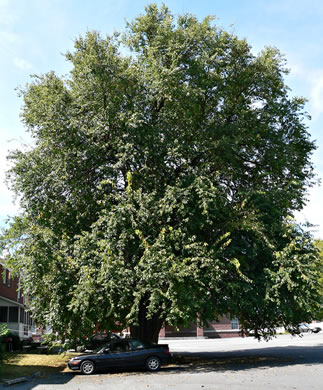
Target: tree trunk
{"points": [[148, 329]]}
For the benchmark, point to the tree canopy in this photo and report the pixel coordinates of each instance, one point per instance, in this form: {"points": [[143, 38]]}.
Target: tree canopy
{"points": [[165, 169]]}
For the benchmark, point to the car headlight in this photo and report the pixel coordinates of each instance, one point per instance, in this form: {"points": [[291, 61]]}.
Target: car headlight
{"points": [[74, 360]]}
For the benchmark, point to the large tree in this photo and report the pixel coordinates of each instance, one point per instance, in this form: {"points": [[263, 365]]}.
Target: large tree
{"points": [[164, 170]]}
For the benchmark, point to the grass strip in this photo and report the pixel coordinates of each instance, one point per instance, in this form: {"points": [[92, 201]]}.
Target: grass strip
{"points": [[16, 364]]}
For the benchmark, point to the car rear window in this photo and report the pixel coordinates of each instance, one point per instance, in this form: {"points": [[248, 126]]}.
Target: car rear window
{"points": [[139, 344]]}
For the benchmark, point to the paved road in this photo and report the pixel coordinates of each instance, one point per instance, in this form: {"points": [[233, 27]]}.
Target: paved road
{"points": [[309, 347], [286, 363]]}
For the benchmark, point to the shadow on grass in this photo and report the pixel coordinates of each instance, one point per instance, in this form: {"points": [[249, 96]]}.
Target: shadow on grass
{"points": [[17, 365], [47, 377], [11, 371]]}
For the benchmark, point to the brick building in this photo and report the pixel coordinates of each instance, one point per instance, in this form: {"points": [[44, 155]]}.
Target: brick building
{"points": [[12, 305], [224, 327]]}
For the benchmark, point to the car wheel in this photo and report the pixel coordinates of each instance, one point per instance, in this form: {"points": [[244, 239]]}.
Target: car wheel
{"points": [[87, 367], [153, 363]]}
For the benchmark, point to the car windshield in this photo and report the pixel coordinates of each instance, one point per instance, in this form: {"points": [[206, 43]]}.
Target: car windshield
{"points": [[101, 347]]}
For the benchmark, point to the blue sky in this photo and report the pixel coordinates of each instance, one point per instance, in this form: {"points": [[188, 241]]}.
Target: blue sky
{"points": [[35, 33]]}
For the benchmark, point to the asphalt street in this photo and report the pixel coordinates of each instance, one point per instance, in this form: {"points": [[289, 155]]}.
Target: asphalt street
{"points": [[219, 364]]}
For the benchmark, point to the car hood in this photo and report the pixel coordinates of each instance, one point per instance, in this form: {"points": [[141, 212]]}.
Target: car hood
{"points": [[85, 355]]}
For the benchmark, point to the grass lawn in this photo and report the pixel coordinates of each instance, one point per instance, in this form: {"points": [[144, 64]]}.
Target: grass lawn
{"points": [[16, 364]]}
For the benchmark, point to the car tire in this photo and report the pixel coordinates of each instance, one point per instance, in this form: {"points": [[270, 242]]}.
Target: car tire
{"points": [[87, 367], [153, 363]]}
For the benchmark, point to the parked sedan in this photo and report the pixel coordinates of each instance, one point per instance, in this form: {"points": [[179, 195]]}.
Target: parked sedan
{"points": [[315, 327], [303, 328], [123, 353]]}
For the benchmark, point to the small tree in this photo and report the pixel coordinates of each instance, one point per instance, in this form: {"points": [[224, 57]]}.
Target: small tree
{"points": [[4, 331], [160, 184]]}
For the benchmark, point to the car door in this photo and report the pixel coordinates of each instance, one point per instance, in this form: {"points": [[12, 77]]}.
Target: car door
{"points": [[116, 355], [139, 352]]}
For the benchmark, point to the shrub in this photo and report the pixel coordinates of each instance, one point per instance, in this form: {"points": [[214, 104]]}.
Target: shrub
{"points": [[14, 340], [3, 333]]}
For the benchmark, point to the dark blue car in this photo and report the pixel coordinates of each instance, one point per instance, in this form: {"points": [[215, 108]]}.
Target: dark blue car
{"points": [[123, 353]]}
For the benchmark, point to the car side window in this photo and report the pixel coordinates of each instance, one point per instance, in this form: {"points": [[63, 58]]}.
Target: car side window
{"points": [[102, 336], [119, 346]]}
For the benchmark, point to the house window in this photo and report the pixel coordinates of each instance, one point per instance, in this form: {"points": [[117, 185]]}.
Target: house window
{"points": [[9, 279], [3, 313], [4, 276], [13, 314], [22, 314], [235, 323]]}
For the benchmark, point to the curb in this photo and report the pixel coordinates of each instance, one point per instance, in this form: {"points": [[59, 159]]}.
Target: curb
{"points": [[22, 379], [15, 381]]}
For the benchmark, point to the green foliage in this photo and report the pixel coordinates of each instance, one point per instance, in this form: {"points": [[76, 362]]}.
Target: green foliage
{"points": [[15, 340], [4, 334], [4, 331], [160, 184]]}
